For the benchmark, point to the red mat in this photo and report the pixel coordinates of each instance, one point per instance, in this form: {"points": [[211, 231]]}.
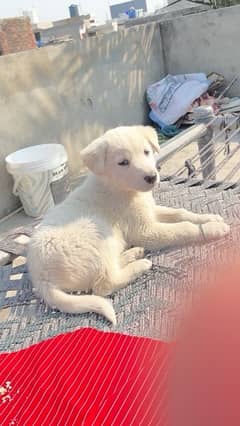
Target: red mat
{"points": [[85, 378]]}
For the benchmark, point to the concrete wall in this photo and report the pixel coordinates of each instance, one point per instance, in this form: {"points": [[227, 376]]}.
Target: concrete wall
{"points": [[63, 28], [168, 13], [72, 93], [204, 42], [71, 29]]}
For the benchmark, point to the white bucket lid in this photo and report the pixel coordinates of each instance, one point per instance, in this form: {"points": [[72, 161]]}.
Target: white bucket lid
{"points": [[38, 158]]}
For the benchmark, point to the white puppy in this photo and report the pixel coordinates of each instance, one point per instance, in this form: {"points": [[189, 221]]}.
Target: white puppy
{"points": [[86, 242]]}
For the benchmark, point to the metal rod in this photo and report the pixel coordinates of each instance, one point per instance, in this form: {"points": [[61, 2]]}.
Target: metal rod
{"points": [[227, 88], [207, 147], [180, 141], [227, 179], [225, 159], [208, 161]]}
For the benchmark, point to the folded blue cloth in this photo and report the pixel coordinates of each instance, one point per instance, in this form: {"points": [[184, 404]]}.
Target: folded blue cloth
{"points": [[167, 130]]}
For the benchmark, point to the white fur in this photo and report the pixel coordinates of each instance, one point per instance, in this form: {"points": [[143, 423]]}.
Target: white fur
{"points": [[85, 243]]}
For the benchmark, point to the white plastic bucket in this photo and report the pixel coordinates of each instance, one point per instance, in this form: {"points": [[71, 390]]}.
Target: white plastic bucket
{"points": [[40, 176]]}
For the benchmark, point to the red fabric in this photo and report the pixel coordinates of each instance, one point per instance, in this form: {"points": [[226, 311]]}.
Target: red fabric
{"points": [[85, 378]]}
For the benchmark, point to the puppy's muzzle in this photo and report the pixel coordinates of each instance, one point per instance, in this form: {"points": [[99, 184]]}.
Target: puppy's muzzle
{"points": [[151, 179]]}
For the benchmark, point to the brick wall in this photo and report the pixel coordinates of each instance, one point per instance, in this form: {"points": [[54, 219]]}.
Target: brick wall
{"points": [[3, 43], [16, 35]]}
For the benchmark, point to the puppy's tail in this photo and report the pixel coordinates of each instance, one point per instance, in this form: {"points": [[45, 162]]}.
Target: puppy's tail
{"points": [[75, 304]]}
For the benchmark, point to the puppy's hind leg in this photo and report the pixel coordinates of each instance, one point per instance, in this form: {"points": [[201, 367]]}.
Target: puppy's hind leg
{"points": [[130, 272], [131, 255], [120, 277]]}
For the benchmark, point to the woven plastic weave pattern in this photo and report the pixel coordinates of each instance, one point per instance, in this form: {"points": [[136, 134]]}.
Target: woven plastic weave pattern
{"points": [[149, 306]]}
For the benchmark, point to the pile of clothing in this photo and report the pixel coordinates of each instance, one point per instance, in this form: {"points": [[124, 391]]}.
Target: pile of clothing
{"points": [[173, 99]]}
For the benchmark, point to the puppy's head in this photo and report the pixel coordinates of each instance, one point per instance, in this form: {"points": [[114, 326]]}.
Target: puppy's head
{"points": [[125, 157]]}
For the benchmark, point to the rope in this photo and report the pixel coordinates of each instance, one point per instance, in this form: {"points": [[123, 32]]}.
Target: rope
{"points": [[207, 162], [222, 163], [229, 176], [225, 160], [207, 147]]}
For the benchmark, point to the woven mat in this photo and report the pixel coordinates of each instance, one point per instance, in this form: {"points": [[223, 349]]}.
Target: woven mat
{"points": [[147, 307]]}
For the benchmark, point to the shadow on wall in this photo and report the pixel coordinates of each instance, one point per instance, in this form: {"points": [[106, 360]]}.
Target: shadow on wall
{"points": [[29, 111], [205, 42], [102, 84], [73, 92]]}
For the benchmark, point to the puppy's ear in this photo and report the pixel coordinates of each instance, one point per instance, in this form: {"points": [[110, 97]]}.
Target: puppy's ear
{"points": [[152, 137], [94, 156]]}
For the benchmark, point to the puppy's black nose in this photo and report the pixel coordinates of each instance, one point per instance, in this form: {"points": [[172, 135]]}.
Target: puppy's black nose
{"points": [[151, 179]]}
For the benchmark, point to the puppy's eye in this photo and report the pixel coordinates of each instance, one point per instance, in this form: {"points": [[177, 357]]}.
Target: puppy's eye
{"points": [[146, 152], [124, 163]]}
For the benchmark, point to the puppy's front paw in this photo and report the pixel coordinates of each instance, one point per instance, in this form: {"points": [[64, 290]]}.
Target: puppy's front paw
{"points": [[214, 230], [145, 264], [205, 218], [214, 218]]}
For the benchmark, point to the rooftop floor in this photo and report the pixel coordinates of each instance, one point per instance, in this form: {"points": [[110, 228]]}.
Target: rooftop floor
{"points": [[151, 305]]}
